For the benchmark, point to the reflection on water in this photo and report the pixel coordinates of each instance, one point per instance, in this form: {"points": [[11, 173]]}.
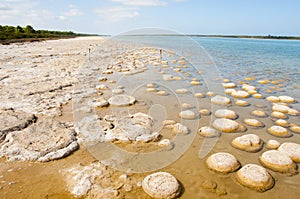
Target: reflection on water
{"points": [[264, 59]]}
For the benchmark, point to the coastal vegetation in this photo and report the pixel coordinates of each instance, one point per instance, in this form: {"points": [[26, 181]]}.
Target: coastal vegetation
{"points": [[9, 34]]}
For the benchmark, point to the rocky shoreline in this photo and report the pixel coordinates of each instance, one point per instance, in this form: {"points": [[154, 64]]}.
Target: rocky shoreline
{"points": [[120, 121]]}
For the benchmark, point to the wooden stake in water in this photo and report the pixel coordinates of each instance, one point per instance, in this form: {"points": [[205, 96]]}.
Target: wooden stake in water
{"points": [[160, 56]]}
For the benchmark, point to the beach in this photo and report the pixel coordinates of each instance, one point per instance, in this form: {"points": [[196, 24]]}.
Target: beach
{"points": [[91, 117]]}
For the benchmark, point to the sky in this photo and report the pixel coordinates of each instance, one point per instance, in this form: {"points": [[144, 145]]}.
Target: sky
{"points": [[112, 17]]}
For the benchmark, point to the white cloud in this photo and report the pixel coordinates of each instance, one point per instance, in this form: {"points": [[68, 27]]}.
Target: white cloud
{"points": [[22, 12], [61, 17], [4, 7], [73, 11], [141, 2], [127, 9], [19, 11], [117, 13]]}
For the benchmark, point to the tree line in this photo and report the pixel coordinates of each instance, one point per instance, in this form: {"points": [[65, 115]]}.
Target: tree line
{"points": [[9, 33]]}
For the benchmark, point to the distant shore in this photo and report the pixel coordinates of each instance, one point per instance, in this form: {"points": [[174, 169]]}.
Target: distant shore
{"points": [[250, 37]]}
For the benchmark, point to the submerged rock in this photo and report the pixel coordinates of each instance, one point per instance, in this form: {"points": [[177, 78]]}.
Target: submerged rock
{"points": [[168, 123], [222, 162], [182, 91], [255, 177], [136, 127], [293, 112], [273, 99], [98, 102], [225, 113], [241, 103], [209, 184], [108, 72], [162, 93], [221, 100], [187, 114], [85, 181], [151, 85], [92, 129], [295, 128], [166, 143], [102, 79], [229, 90], [279, 115], [195, 83], [253, 123], [45, 140], [226, 125], [273, 144], [280, 108], [186, 106], [249, 143], [205, 112], [240, 94], [101, 87], [281, 122], [207, 131], [291, 149], [248, 88], [121, 100], [199, 95], [12, 120], [286, 99], [161, 185], [229, 85], [167, 77], [257, 95], [278, 161], [279, 131], [117, 91], [150, 90], [210, 94], [259, 113], [180, 128]]}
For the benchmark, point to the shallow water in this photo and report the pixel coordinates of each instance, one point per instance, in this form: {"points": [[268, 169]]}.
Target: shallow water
{"points": [[190, 168], [235, 59], [264, 59]]}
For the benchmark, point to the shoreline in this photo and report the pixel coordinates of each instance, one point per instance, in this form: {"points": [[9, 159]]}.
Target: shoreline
{"points": [[250, 37], [278, 38], [31, 40]]}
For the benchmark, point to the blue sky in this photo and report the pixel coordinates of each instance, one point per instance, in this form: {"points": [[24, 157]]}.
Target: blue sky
{"points": [[249, 17]]}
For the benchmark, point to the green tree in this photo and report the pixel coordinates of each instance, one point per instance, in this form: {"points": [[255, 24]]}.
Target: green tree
{"points": [[29, 29], [9, 29], [19, 29]]}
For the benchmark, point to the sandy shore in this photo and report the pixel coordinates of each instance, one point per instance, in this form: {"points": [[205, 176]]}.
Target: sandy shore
{"points": [[43, 82]]}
